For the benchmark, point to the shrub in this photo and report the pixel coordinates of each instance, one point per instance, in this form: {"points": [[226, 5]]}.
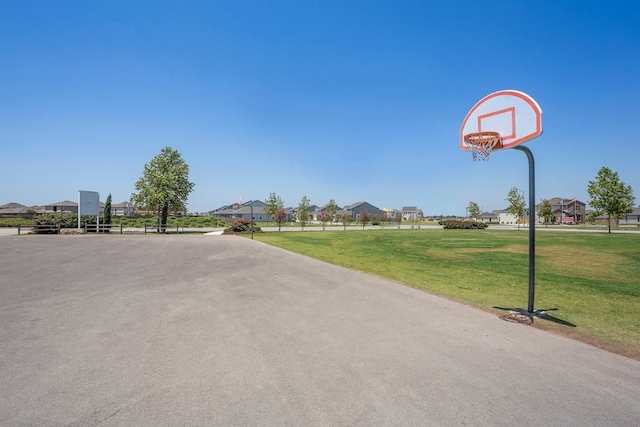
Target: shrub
{"points": [[457, 224], [243, 225], [63, 220], [14, 222]]}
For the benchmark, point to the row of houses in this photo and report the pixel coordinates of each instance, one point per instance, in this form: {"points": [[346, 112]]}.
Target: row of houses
{"points": [[255, 209], [565, 211], [17, 210]]}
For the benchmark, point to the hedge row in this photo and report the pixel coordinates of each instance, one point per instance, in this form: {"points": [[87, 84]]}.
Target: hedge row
{"points": [[70, 220], [457, 224]]}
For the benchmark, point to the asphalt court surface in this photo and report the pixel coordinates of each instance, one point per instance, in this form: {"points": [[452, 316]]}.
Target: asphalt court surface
{"points": [[222, 330]]}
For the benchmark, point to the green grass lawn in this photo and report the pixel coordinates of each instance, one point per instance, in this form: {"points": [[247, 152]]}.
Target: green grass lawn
{"points": [[589, 280]]}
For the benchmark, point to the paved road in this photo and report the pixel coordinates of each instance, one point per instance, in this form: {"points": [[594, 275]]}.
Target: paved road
{"points": [[221, 330]]}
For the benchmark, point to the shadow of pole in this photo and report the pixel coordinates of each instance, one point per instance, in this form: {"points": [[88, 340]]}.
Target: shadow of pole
{"points": [[519, 315]]}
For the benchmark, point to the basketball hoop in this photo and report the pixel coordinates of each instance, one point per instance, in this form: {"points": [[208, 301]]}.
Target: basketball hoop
{"points": [[481, 144]]}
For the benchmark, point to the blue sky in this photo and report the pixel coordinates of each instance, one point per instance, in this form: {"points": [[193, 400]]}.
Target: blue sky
{"points": [[345, 100]]}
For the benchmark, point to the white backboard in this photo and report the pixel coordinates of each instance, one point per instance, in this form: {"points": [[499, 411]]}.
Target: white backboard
{"points": [[514, 115]]}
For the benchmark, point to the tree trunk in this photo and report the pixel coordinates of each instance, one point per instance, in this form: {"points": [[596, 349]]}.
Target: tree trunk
{"points": [[164, 214], [609, 223]]}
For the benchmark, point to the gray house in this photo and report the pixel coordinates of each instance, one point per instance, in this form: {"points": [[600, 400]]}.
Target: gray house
{"points": [[355, 209], [17, 210], [489, 217], [245, 210], [64, 206]]}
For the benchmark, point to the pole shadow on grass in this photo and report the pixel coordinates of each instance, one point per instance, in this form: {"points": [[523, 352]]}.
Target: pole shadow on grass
{"points": [[519, 315]]}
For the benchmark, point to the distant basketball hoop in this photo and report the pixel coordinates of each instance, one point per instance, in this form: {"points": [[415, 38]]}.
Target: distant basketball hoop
{"points": [[481, 143]]}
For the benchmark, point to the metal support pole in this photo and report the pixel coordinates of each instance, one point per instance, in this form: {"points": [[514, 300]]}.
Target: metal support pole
{"points": [[532, 225]]}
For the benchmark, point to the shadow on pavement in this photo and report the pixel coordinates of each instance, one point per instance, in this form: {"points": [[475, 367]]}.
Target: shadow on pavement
{"points": [[519, 315]]}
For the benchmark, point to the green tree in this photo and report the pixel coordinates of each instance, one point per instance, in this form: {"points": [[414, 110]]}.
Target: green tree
{"points": [[474, 210], [275, 209], [546, 212], [364, 218], [164, 185], [107, 211], [331, 210], [303, 211], [609, 195], [345, 219], [516, 204]]}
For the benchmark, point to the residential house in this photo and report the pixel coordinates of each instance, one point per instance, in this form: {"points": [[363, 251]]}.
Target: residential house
{"points": [[632, 218], [505, 217], [391, 213], [411, 213], [60, 207], [313, 211], [18, 211], [355, 209], [122, 209], [489, 217], [253, 209], [566, 211]]}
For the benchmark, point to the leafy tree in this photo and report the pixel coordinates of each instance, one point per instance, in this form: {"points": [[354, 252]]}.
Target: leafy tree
{"points": [[324, 218], [303, 211], [345, 219], [474, 210], [280, 217], [364, 218], [385, 218], [164, 185], [610, 195], [331, 210], [398, 218], [516, 204], [273, 208], [546, 212]]}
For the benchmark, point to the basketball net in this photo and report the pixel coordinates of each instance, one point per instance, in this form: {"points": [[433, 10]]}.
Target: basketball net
{"points": [[481, 143]]}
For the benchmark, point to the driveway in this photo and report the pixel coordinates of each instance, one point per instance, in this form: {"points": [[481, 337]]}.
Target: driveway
{"points": [[222, 330]]}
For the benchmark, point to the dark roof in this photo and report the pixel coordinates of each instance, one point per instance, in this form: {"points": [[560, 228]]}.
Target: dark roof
{"points": [[353, 205], [12, 205], [63, 203]]}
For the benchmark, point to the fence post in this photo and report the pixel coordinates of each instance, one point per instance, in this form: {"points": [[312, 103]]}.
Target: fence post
{"points": [[120, 228], [145, 227]]}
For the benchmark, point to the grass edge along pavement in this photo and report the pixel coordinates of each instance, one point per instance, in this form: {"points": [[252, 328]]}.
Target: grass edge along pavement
{"points": [[589, 283]]}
